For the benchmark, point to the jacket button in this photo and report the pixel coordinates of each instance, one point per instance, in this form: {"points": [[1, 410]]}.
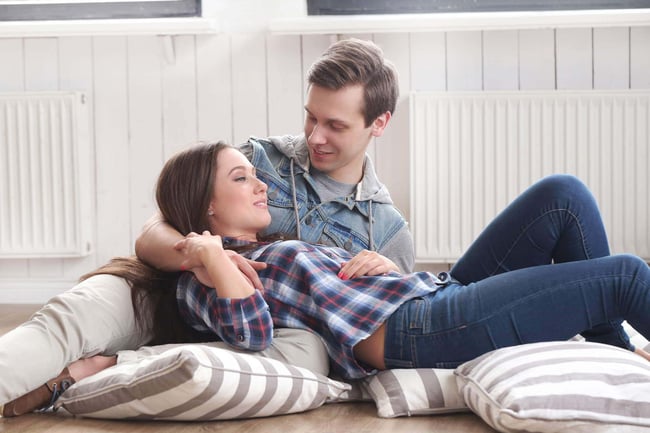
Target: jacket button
{"points": [[241, 337]]}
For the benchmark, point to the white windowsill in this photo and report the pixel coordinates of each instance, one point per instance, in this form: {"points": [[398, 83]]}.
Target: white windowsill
{"points": [[344, 24], [123, 27]]}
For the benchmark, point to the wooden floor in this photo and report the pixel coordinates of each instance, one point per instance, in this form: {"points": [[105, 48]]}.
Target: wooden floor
{"points": [[347, 417]]}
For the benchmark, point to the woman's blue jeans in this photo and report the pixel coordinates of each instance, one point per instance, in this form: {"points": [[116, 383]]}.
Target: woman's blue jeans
{"points": [[541, 271]]}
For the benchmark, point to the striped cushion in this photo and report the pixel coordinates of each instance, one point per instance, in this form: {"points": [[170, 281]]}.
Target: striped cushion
{"points": [[559, 387], [420, 391], [198, 383]]}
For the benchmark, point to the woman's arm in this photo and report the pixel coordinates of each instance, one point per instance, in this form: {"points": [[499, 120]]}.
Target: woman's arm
{"points": [[244, 323], [225, 301]]}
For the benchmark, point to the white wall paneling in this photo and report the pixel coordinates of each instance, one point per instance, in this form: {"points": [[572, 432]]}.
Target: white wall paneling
{"points": [[574, 61], [151, 95], [503, 72], [112, 165], [428, 67], [537, 59], [465, 61], [285, 94], [214, 88], [76, 73], [179, 98], [640, 58], [145, 101], [250, 103], [612, 58]]}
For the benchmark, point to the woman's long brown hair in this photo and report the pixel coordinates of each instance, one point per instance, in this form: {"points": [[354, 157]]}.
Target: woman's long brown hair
{"points": [[153, 295], [183, 194]]}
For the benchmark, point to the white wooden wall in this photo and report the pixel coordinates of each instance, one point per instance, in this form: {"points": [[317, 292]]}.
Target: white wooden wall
{"points": [[152, 95]]}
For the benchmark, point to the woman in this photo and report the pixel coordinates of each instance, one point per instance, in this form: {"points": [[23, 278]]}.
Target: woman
{"points": [[503, 292], [121, 306]]}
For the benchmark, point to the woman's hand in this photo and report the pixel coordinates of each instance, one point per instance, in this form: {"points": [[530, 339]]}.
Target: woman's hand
{"points": [[199, 249], [367, 263]]}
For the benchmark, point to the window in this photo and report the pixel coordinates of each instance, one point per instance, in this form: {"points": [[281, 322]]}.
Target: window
{"points": [[27, 10], [359, 7]]}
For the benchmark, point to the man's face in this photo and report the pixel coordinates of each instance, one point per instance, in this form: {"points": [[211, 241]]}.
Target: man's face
{"points": [[336, 131]]}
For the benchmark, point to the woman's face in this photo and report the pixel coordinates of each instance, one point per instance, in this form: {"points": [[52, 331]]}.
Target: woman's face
{"points": [[239, 198]]}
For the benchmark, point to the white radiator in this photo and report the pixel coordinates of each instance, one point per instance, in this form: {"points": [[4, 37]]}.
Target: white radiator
{"points": [[44, 175], [472, 153]]}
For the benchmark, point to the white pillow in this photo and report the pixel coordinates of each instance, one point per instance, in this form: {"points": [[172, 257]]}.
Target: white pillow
{"points": [[198, 382], [559, 387], [420, 391]]}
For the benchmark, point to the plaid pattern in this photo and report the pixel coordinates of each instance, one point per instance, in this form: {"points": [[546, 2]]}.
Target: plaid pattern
{"points": [[245, 323], [303, 290]]}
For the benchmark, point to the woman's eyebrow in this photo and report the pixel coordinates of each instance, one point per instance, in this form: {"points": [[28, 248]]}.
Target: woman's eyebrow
{"points": [[240, 167]]}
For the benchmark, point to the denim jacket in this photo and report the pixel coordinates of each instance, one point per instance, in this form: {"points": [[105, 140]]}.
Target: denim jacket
{"points": [[369, 220]]}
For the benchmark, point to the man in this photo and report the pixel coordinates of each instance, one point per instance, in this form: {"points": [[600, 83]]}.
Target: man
{"points": [[322, 186]]}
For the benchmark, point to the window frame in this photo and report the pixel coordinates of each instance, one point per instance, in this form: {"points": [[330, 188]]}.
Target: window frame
{"points": [[374, 7], [95, 10]]}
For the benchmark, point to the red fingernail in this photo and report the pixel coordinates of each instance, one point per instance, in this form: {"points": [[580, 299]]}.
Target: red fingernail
{"points": [[183, 268], [343, 276]]}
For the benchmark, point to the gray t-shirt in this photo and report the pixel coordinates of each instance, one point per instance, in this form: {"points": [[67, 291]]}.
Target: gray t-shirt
{"points": [[329, 189]]}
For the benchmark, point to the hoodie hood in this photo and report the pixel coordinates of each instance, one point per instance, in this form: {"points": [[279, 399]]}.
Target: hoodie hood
{"points": [[369, 189]]}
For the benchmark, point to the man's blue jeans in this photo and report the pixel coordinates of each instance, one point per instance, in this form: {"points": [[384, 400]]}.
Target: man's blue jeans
{"points": [[540, 271]]}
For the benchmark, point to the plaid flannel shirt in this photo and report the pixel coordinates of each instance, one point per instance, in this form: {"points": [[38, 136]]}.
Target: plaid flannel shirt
{"points": [[302, 290]]}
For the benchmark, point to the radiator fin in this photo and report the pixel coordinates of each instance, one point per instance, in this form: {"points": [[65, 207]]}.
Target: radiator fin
{"points": [[41, 195], [472, 153]]}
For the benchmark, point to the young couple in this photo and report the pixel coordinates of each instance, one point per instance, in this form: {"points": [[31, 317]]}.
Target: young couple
{"points": [[540, 271]]}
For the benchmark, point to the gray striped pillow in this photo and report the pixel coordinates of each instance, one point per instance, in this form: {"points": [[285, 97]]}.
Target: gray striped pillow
{"points": [[198, 382], [419, 391], [559, 387]]}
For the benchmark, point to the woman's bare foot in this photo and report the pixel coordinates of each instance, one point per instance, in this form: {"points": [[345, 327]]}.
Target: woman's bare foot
{"points": [[88, 366]]}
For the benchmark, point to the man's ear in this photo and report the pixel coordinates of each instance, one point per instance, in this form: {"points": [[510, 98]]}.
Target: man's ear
{"points": [[380, 124]]}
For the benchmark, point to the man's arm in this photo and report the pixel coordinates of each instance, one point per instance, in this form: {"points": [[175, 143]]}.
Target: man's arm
{"points": [[155, 245], [400, 250]]}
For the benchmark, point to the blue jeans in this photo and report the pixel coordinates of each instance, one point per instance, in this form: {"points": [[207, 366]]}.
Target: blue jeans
{"points": [[541, 271]]}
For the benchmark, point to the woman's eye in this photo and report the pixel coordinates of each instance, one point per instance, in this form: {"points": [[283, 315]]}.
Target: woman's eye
{"points": [[240, 179]]}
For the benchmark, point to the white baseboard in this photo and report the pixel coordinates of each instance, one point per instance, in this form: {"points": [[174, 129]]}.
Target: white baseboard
{"points": [[32, 291]]}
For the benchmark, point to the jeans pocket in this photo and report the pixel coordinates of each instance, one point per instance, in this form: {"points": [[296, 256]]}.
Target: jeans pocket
{"points": [[450, 348]]}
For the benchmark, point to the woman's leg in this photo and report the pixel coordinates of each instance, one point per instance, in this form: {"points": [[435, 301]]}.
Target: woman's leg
{"points": [[94, 317], [544, 303], [555, 220]]}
